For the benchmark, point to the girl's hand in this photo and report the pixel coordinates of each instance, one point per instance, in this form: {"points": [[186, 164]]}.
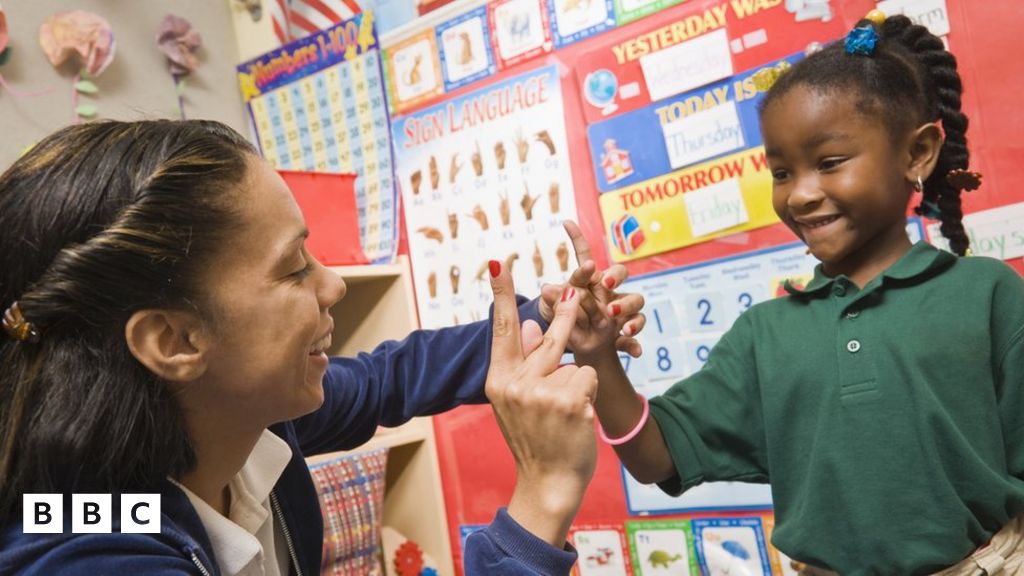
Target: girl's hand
{"points": [[607, 321], [545, 412]]}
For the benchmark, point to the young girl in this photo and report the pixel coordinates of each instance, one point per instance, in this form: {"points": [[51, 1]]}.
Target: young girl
{"points": [[884, 402], [165, 330]]}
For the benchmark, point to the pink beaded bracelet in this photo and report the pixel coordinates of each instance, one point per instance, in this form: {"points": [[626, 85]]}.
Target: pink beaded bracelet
{"points": [[632, 433]]}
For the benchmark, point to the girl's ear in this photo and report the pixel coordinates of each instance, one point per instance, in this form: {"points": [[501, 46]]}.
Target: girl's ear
{"points": [[924, 147], [169, 343]]}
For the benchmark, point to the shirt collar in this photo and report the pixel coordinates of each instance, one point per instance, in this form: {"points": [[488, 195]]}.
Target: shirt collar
{"points": [[921, 258]]}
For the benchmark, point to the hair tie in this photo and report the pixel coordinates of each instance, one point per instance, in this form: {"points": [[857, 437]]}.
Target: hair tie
{"points": [[766, 77], [964, 179], [17, 327], [863, 39]]}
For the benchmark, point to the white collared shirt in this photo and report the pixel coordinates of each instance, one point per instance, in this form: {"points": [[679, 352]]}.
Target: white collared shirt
{"points": [[248, 542]]}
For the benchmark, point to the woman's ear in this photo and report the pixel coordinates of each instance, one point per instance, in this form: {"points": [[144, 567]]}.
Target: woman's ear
{"points": [[167, 342], [924, 147]]}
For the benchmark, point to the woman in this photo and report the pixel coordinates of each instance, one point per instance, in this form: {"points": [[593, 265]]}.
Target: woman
{"points": [[166, 333]]}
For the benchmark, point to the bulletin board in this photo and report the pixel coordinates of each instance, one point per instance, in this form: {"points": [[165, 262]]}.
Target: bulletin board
{"points": [[632, 166], [318, 104]]}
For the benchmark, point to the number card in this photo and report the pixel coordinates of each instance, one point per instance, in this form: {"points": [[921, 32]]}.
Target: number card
{"points": [[318, 104]]}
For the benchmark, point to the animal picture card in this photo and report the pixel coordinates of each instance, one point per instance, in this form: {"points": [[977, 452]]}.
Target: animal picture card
{"points": [[602, 551], [465, 49], [413, 71], [731, 546], [520, 30], [662, 547], [574, 20]]}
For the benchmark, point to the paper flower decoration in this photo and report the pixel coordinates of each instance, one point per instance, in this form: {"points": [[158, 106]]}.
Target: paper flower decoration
{"points": [[179, 42], [80, 34], [84, 38], [4, 37], [5, 55]]}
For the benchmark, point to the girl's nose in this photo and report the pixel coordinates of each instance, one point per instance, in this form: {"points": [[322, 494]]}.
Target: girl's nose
{"points": [[805, 194]]}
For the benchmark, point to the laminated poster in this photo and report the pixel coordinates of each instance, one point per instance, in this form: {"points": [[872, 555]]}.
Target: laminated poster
{"points": [[486, 176], [690, 45], [688, 310], [703, 176], [318, 104]]}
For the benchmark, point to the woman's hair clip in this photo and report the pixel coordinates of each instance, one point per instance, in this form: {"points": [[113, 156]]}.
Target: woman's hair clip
{"points": [[17, 327], [766, 77], [964, 179], [862, 39]]}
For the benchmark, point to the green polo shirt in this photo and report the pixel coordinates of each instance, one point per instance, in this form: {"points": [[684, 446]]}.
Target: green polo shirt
{"points": [[889, 420]]}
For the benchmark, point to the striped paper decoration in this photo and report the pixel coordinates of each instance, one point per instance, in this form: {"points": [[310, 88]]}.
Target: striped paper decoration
{"points": [[294, 19]]}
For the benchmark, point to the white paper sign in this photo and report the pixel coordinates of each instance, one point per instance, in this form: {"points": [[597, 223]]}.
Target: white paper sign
{"points": [[703, 134], [998, 232], [715, 207], [931, 14], [688, 65], [465, 49]]}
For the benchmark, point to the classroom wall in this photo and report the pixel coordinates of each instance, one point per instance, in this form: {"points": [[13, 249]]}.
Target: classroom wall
{"points": [[135, 86]]}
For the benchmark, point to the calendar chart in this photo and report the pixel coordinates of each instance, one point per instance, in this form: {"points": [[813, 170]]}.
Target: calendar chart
{"points": [[318, 104]]}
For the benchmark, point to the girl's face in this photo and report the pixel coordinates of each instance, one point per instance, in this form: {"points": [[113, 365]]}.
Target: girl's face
{"points": [[839, 180], [271, 325]]}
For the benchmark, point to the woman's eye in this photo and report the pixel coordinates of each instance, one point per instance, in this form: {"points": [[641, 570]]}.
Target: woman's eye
{"points": [[303, 272]]}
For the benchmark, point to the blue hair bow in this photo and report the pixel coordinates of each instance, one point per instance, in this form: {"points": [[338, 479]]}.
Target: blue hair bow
{"points": [[861, 40]]}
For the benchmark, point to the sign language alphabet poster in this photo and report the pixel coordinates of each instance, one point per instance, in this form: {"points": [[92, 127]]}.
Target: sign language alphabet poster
{"points": [[486, 177]]}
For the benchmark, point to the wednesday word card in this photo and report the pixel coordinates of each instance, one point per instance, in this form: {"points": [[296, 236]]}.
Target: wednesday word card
{"points": [[318, 104]]}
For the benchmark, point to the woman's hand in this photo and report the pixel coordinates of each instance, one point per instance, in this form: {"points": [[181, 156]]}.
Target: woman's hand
{"points": [[545, 412]]}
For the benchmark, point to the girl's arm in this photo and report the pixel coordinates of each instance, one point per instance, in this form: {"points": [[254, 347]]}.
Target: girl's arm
{"points": [[619, 410]]}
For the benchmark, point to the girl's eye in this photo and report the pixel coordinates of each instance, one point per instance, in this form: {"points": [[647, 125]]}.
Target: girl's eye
{"points": [[830, 163], [779, 175]]}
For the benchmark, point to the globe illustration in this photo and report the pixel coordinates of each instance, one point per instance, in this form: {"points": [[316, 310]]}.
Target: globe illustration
{"points": [[600, 86]]}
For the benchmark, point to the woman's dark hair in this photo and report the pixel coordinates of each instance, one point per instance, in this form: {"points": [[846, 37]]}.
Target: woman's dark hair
{"points": [[908, 80], [98, 221]]}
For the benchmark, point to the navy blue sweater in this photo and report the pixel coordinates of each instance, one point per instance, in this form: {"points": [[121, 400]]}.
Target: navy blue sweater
{"points": [[427, 373]]}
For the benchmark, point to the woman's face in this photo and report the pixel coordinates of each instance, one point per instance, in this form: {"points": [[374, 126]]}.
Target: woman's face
{"points": [[271, 326]]}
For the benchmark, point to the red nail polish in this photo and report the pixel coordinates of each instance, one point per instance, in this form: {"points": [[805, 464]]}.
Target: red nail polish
{"points": [[616, 310], [565, 293], [495, 267], [572, 293], [628, 330], [609, 282]]}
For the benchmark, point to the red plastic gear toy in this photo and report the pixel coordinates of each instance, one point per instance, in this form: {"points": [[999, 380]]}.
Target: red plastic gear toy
{"points": [[409, 559]]}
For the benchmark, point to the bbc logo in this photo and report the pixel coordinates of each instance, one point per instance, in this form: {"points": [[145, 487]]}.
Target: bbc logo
{"points": [[90, 513]]}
